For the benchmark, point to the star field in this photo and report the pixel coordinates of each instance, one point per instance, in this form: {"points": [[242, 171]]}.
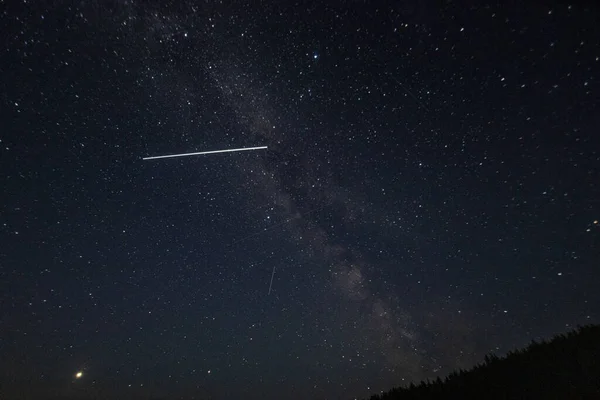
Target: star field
{"points": [[429, 193]]}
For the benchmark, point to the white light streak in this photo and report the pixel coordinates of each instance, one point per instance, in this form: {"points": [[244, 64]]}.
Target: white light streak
{"points": [[205, 152], [271, 284]]}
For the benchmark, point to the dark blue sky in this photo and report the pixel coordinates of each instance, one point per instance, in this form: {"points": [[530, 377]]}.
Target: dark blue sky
{"points": [[429, 193]]}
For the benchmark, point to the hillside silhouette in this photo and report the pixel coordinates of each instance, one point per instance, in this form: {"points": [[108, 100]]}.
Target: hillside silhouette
{"points": [[567, 367]]}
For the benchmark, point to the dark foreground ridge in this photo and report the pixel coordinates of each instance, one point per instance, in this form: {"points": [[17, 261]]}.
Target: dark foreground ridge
{"points": [[567, 367]]}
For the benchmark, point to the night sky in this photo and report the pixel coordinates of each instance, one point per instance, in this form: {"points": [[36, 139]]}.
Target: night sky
{"points": [[430, 193]]}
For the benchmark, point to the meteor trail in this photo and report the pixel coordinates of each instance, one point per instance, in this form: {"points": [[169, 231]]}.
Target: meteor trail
{"points": [[271, 285], [205, 152]]}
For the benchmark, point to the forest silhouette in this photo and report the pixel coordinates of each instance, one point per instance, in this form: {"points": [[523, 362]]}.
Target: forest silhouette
{"points": [[566, 367]]}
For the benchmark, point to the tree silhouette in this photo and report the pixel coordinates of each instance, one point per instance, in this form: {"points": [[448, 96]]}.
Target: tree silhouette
{"points": [[567, 367]]}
